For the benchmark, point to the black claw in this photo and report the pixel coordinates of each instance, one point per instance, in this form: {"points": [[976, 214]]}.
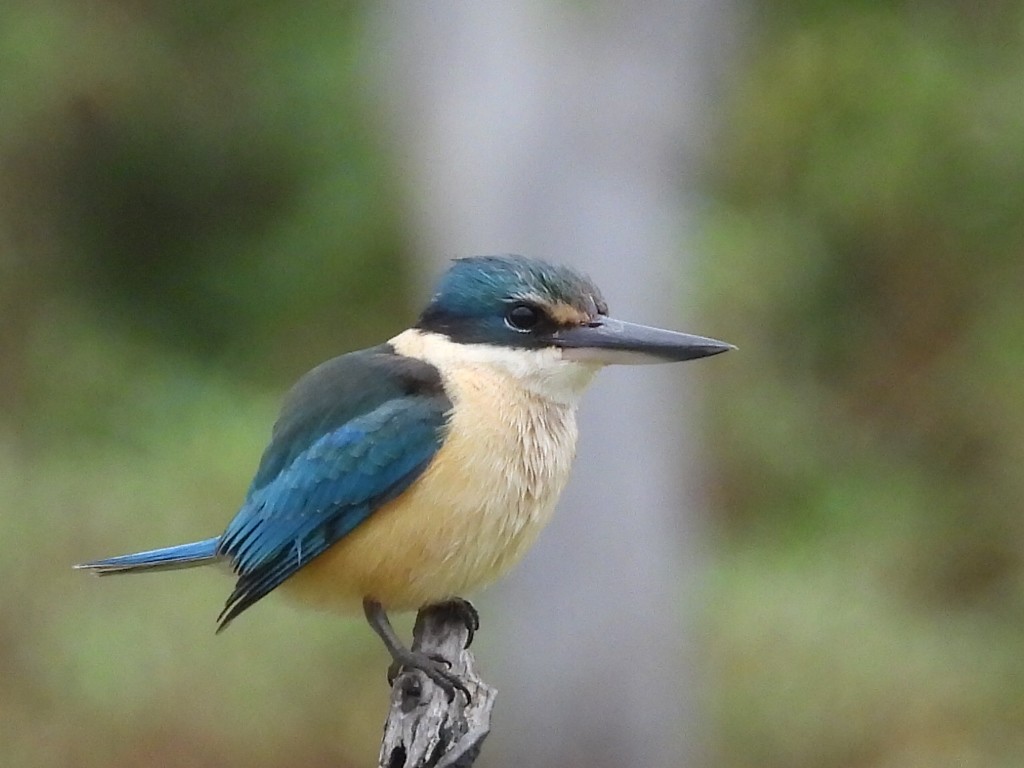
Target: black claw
{"points": [[436, 668], [394, 670], [464, 611]]}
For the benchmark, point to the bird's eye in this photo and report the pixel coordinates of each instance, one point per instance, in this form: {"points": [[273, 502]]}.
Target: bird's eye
{"points": [[523, 317]]}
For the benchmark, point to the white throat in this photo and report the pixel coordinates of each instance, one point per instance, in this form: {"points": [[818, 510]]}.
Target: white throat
{"points": [[544, 372]]}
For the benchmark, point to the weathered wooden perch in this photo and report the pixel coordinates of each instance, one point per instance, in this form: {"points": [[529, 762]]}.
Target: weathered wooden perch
{"points": [[424, 729]]}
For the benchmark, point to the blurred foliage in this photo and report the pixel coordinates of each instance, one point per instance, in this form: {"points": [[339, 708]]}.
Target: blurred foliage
{"points": [[196, 204], [198, 172], [195, 207], [865, 251]]}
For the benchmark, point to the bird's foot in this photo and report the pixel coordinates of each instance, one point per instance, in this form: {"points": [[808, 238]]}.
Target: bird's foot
{"points": [[462, 610], [437, 668]]}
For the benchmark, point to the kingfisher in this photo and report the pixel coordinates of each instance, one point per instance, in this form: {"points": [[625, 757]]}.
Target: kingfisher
{"points": [[417, 471]]}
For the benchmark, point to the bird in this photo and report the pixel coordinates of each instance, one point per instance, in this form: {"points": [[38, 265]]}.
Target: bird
{"points": [[420, 470]]}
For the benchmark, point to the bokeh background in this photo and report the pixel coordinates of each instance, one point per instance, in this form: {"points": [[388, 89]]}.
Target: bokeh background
{"points": [[199, 201]]}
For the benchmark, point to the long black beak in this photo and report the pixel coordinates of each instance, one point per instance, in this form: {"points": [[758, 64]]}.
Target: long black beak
{"points": [[607, 340]]}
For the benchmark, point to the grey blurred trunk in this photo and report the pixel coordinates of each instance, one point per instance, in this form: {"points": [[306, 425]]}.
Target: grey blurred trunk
{"points": [[567, 131]]}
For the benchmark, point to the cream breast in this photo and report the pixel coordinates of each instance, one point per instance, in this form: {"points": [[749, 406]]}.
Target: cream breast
{"points": [[491, 488]]}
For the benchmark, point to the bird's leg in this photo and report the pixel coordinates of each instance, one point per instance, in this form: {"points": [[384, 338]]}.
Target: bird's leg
{"points": [[436, 668]]}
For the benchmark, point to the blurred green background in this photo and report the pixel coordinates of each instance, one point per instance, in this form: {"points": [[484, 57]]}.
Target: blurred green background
{"points": [[199, 202]]}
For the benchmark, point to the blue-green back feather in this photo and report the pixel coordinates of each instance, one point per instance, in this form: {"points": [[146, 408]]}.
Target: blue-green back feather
{"points": [[353, 434]]}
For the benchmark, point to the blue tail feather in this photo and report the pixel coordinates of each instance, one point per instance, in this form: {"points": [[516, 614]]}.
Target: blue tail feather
{"points": [[168, 558]]}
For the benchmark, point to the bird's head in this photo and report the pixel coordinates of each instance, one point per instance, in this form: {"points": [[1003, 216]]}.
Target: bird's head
{"points": [[547, 324]]}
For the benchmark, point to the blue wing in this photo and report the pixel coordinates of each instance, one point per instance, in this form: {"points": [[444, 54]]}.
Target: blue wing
{"points": [[353, 434]]}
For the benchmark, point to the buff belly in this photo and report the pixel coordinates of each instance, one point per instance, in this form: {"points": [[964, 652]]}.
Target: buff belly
{"points": [[477, 508]]}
